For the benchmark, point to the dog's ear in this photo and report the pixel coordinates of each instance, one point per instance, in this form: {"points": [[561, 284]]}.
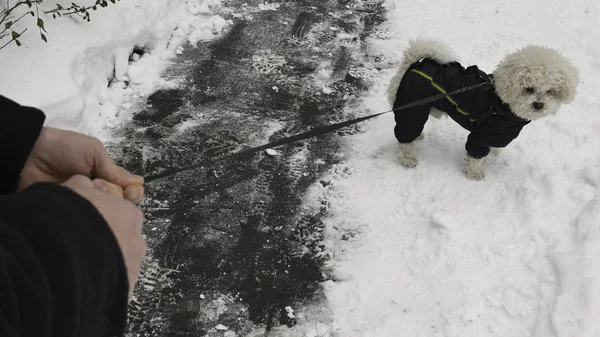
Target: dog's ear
{"points": [[566, 76], [511, 76], [568, 81]]}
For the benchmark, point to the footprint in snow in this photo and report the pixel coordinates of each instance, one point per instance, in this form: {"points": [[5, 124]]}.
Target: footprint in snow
{"points": [[587, 223], [590, 176], [445, 221], [512, 301]]}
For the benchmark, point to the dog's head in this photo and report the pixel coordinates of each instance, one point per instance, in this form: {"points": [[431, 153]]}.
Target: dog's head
{"points": [[535, 81]]}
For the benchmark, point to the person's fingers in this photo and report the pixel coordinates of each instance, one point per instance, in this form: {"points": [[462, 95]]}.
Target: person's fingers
{"points": [[78, 181], [134, 193], [104, 168], [109, 188]]}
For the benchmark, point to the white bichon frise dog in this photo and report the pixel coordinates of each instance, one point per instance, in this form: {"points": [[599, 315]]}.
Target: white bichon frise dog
{"points": [[527, 85]]}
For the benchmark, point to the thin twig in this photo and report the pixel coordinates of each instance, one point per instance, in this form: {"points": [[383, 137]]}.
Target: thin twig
{"points": [[7, 6], [13, 39], [74, 12], [13, 23], [17, 5], [40, 28]]}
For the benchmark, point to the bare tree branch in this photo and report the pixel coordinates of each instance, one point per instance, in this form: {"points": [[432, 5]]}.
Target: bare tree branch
{"points": [[7, 22], [7, 27], [13, 39]]}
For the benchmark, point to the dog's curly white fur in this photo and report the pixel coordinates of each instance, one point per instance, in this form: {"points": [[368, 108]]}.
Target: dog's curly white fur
{"points": [[534, 74], [408, 155]]}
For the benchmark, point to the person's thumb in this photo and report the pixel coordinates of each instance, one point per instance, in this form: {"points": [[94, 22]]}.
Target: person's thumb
{"points": [[134, 193], [105, 168]]}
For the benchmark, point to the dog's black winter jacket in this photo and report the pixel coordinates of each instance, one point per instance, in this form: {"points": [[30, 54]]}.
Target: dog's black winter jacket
{"points": [[480, 111]]}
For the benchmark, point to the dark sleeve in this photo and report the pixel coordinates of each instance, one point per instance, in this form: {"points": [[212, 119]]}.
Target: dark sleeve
{"points": [[494, 131], [61, 269], [477, 145], [19, 129]]}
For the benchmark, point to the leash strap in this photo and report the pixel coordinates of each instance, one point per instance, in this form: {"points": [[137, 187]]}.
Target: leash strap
{"points": [[318, 131]]}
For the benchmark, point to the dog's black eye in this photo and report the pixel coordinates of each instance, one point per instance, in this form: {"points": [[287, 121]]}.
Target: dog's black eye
{"points": [[551, 92], [529, 90]]}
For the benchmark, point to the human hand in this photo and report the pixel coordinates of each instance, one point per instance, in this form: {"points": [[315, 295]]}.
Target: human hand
{"points": [[124, 219], [58, 155]]}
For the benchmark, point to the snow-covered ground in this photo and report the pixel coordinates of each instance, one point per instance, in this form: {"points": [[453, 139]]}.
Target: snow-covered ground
{"points": [[439, 255], [427, 252], [87, 77]]}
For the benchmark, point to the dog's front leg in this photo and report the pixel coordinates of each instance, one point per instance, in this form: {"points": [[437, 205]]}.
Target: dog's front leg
{"points": [[474, 168], [408, 155]]}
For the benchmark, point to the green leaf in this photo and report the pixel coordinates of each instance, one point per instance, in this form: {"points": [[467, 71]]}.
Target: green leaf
{"points": [[28, 2], [53, 16], [18, 43], [32, 13], [94, 7], [15, 35], [8, 24], [113, 1], [44, 37], [40, 24]]}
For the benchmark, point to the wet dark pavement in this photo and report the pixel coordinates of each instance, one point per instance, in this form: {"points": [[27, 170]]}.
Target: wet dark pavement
{"points": [[231, 242]]}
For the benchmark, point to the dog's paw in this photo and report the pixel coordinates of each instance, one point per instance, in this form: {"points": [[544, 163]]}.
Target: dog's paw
{"points": [[475, 174], [435, 113], [408, 155], [474, 169], [409, 161]]}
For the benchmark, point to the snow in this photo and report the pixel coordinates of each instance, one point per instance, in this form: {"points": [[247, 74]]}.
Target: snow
{"points": [[268, 6], [439, 255], [204, 30], [221, 327], [79, 77], [426, 252]]}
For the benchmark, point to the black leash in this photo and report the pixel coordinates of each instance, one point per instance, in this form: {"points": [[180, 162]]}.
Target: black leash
{"points": [[309, 134]]}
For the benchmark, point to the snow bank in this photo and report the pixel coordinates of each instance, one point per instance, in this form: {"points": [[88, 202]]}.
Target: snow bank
{"points": [[432, 254], [69, 76]]}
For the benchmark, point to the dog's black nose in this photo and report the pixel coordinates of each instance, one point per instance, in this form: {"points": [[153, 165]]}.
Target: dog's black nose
{"points": [[538, 105]]}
